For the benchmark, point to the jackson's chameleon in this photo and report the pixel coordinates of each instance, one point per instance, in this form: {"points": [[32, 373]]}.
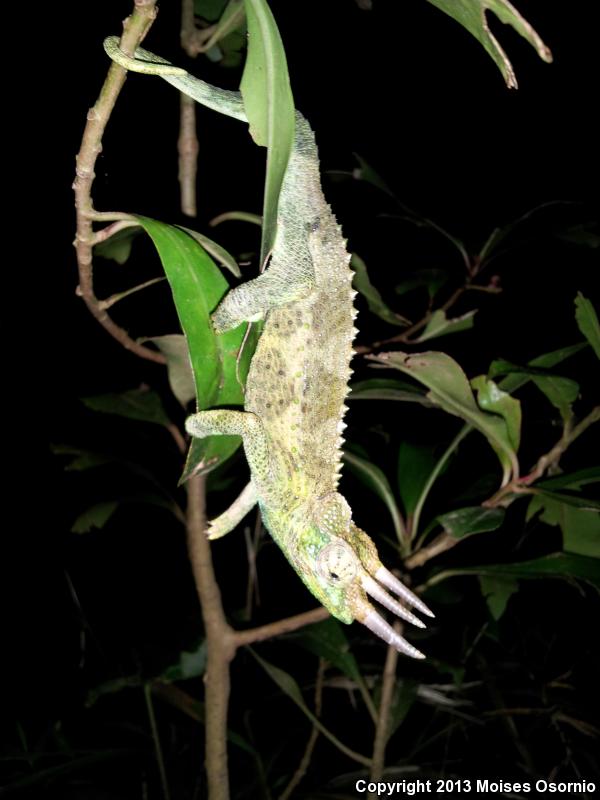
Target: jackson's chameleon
{"points": [[297, 384]]}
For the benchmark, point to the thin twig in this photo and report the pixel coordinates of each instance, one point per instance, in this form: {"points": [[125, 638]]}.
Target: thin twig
{"points": [[134, 30], [286, 625], [220, 642], [385, 704], [188, 148], [312, 739], [115, 298], [507, 494], [115, 227], [155, 736], [520, 486]]}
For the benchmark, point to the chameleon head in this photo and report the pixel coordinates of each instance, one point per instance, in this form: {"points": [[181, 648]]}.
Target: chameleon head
{"points": [[339, 564]]}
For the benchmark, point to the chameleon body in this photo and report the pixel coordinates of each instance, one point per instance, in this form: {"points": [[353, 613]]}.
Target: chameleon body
{"points": [[297, 383]]}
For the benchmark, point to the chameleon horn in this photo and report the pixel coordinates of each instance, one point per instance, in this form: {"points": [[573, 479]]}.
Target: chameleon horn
{"points": [[374, 589], [384, 576], [380, 627]]}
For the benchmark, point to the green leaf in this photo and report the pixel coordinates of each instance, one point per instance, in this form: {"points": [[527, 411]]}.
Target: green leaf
{"points": [[585, 503], [118, 246], [491, 398], [387, 389], [191, 664], [365, 172], [82, 459], [587, 319], [450, 390], [431, 279], [198, 286], [143, 405], [215, 250], [440, 325], [327, 640], [374, 478], [290, 688], [237, 216], [95, 517], [179, 367], [405, 695], [571, 480], [415, 465], [231, 18], [471, 14], [362, 284], [269, 105], [568, 566], [497, 592], [474, 519], [513, 382], [580, 529], [561, 392]]}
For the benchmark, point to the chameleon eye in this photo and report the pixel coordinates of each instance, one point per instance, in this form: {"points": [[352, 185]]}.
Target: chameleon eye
{"points": [[336, 564]]}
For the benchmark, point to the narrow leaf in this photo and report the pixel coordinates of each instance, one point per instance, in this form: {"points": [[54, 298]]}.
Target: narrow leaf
{"points": [[585, 503], [548, 360], [143, 405], [587, 319], [362, 284], [415, 465], [179, 367], [386, 389], [497, 592], [269, 105], [556, 565], [327, 640], [290, 688], [467, 521], [118, 246], [440, 325], [198, 286], [580, 529], [431, 279], [374, 478], [471, 14], [571, 480], [215, 250], [95, 517], [450, 390], [493, 399]]}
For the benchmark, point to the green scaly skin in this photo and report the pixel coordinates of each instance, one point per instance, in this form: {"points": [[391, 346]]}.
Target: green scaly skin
{"points": [[297, 385]]}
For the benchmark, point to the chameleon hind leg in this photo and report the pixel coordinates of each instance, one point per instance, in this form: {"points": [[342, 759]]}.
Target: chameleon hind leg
{"points": [[224, 422], [253, 299], [236, 512]]}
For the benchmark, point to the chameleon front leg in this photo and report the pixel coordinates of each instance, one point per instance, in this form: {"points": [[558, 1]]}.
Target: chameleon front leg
{"points": [[251, 300], [224, 422], [236, 512]]}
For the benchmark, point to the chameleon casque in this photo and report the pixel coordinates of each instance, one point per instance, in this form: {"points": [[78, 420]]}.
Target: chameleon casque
{"points": [[297, 383]]}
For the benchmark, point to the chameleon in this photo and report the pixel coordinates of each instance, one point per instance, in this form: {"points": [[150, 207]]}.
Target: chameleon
{"points": [[297, 384]]}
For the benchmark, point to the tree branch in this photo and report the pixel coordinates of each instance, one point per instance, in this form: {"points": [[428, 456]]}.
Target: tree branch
{"points": [[286, 625], [385, 703], [220, 643], [134, 29], [519, 486]]}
